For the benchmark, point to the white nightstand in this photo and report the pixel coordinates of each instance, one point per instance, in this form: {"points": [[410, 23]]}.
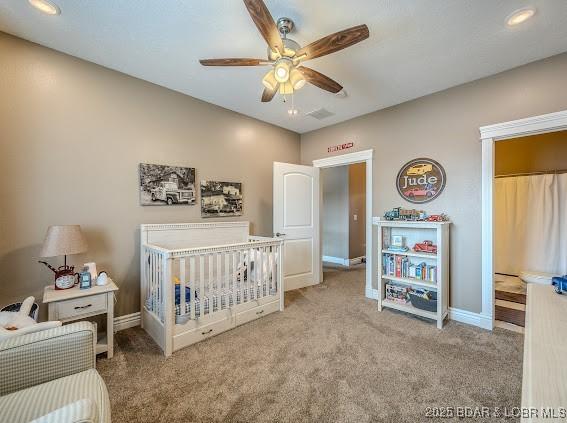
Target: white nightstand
{"points": [[73, 304]]}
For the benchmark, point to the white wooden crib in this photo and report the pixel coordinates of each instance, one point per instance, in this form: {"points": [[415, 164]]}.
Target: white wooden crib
{"points": [[201, 279]]}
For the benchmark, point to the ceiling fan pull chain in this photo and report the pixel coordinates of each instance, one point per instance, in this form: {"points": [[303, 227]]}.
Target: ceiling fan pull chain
{"points": [[292, 103]]}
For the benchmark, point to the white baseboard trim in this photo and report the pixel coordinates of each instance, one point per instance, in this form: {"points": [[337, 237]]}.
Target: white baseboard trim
{"points": [[336, 260], [343, 262], [127, 321], [470, 318], [372, 294]]}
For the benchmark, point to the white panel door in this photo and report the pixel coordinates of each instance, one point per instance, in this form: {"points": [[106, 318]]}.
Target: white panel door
{"points": [[296, 220]]}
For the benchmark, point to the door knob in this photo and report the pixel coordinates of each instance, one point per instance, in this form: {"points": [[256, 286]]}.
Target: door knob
{"points": [[278, 234]]}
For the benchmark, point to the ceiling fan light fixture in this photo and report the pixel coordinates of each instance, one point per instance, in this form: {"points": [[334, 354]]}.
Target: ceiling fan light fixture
{"points": [[270, 81], [286, 89], [296, 79], [282, 70]]}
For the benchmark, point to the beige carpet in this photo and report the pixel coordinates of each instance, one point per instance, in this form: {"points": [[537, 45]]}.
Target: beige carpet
{"points": [[330, 356]]}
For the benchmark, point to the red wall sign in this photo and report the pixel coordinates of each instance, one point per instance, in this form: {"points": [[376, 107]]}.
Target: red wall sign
{"points": [[340, 147]]}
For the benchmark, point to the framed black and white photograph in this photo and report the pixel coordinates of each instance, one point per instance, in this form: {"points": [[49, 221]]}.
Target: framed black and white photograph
{"points": [[166, 185], [221, 199]]}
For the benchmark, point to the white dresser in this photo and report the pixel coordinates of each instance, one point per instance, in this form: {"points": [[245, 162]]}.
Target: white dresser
{"points": [[544, 382]]}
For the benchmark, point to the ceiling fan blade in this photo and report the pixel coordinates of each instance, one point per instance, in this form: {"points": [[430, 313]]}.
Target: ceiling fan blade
{"points": [[268, 94], [320, 80], [232, 62], [334, 42], [265, 23]]}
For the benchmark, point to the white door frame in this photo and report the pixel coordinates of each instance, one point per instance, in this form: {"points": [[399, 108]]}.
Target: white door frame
{"points": [[551, 122], [365, 156]]}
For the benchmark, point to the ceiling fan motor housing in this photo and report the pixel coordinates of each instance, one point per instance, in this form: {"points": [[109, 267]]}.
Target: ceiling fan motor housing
{"points": [[285, 26], [290, 47]]}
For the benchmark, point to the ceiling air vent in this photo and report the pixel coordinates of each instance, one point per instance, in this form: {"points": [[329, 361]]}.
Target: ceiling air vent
{"points": [[320, 114]]}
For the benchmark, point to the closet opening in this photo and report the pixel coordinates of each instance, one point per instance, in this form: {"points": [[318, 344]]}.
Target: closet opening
{"points": [[530, 220], [343, 212]]}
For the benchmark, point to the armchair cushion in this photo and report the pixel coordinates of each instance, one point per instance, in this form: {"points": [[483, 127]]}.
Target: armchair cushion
{"points": [[82, 411], [5, 334], [39, 357], [59, 401]]}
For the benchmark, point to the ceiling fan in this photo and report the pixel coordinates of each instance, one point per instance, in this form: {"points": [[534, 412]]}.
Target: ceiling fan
{"points": [[286, 56]]}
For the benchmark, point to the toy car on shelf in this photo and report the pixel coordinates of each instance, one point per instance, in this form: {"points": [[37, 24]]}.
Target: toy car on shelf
{"points": [[436, 218], [404, 214], [425, 247]]}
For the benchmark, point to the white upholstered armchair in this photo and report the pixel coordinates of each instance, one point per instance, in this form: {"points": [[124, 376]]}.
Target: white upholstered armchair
{"points": [[50, 376]]}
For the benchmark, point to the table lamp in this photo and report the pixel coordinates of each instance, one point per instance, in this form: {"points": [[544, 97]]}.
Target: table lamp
{"points": [[63, 240]]}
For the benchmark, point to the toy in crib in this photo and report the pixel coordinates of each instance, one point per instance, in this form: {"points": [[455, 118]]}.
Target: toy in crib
{"points": [[178, 291]]}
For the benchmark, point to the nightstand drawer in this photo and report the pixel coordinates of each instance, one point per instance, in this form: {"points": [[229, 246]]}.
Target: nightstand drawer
{"points": [[77, 307]]}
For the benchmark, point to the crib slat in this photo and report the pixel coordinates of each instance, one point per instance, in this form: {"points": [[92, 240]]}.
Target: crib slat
{"points": [[234, 270], [158, 269], [146, 278], [261, 271], [218, 279], [271, 275], [274, 285], [155, 291], [160, 284], [250, 278], [211, 281], [256, 271], [201, 285], [226, 278], [244, 274], [149, 276], [191, 283], [182, 299], [254, 276], [151, 280]]}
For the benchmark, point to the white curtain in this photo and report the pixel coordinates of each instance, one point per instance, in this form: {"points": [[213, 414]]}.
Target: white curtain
{"points": [[530, 224]]}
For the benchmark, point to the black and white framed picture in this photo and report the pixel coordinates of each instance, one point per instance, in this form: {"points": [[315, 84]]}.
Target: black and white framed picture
{"points": [[166, 185], [221, 199]]}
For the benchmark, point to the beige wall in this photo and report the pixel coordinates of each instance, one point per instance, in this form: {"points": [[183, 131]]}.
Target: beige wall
{"points": [[335, 211], [444, 126], [536, 153], [357, 206], [72, 135]]}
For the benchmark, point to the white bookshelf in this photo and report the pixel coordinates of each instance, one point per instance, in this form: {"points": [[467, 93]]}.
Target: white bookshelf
{"points": [[414, 232]]}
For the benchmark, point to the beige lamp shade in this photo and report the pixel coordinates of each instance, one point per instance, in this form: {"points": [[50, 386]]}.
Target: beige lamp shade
{"points": [[63, 240]]}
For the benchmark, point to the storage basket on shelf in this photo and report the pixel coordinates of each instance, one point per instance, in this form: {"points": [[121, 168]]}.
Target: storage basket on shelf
{"points": [[396, 293], [426, 302]]}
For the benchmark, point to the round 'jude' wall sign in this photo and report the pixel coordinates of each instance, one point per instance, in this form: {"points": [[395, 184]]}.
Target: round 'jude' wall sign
{"points": [[421, 180]]}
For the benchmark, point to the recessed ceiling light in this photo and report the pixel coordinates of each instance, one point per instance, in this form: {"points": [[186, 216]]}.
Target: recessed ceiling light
{"points": [[45, 6], [520, 16]]}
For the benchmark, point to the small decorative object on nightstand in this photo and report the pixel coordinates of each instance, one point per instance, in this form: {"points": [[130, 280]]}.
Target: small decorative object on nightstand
{"points": [[85, 279], [77, 304], [63, 240]]}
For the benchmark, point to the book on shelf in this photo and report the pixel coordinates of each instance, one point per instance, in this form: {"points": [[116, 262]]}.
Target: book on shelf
{"points": [[401, 267]]}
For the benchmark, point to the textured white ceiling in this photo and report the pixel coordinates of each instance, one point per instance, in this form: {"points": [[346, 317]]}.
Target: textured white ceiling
{"points": [[416, 47]]}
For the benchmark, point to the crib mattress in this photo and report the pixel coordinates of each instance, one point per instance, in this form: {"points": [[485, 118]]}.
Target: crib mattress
{"points": [[222, 298]]}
